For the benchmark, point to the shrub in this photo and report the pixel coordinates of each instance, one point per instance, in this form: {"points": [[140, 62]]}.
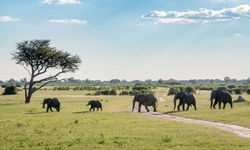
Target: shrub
{"points": [[231, 86], [10, 90], [190, 89], [141, 89], [237, 91], [124, 93], [248, 91], [173, 90], [106, 92], [112, 92]]}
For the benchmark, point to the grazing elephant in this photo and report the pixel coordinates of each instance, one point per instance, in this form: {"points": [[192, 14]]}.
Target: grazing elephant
{"points": [[146, 100], [94, 104], [185, 98], [51, 102], [218, 96]]}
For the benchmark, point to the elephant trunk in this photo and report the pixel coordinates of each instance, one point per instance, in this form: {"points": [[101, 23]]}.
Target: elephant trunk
{"points": [[211, 104], [174, 104], [133, 105], [43, 104]]}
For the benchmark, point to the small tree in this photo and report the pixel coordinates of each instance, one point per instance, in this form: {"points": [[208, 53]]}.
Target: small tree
{"points": [[10, 90], [38, 57]]}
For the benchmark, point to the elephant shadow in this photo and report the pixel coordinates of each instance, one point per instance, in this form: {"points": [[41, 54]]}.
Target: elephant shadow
{"points": [[81, 112], [34, 113], [171, 112]]}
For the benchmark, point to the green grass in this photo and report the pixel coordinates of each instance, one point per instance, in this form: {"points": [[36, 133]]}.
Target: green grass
{"points": [[239, 115], [25, 126]]}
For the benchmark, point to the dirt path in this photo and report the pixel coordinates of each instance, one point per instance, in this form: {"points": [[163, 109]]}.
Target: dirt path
{"points": [[238, 130], [235, 129]]}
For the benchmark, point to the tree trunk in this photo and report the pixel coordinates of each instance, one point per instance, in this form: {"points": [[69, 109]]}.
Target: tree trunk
{"points": [[27, 99]]}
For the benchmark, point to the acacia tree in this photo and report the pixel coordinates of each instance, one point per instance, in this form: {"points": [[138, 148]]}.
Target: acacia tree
{"points": [[39, 58]]}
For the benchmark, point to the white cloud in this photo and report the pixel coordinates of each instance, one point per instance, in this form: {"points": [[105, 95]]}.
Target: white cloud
{"points": [[68, 21], [202, 15], [61, 2], [237, 34], [8, 19]]}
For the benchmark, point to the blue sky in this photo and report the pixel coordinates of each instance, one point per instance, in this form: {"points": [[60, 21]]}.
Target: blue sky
{"points": [[134, 39]]}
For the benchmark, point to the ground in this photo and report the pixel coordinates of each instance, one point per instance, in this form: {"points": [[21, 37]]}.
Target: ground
{"points": [[25, 126]]}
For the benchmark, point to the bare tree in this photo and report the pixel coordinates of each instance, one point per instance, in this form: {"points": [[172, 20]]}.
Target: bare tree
{"points": [[38, 57]]}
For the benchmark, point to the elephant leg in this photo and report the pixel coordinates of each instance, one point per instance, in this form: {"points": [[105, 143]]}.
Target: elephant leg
{"points": [[231, 104], [194, 106], [188, 107], [211, 104], [47, 109], [139, 109], [101, 108], [183, 106], [224, 105], [93, 108], [51, 109], [90, 108], [179, 107], [219, 104], [154, 106], [146, 108], [97, 109], [215, 103]]}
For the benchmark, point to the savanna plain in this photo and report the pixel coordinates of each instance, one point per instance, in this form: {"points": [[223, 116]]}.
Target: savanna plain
{"points": [[28, 126]]}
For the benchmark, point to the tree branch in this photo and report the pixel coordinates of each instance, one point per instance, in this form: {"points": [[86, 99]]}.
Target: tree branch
{"points": [[27, 69], [49, 78], [47, 83]]}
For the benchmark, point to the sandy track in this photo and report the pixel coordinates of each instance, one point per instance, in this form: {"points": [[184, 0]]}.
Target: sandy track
{"points": [[235, 129], [238, 130]]}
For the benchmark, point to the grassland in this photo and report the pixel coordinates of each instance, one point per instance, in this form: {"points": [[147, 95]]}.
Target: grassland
{"points": [[25, 126]]}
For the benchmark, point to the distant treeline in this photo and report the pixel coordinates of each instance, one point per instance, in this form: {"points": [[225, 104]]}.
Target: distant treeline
{"points": [[160, 82]]}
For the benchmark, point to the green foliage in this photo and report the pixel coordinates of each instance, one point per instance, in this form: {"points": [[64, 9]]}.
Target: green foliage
{"points": [[173, 90], [190, 89], [141, 89], [106, 92], [10, 90], [248, 91], [237, 91], [231, 86]]}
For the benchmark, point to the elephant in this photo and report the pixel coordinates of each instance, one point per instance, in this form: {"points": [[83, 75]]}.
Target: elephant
{"points": [[51, 102], [185, 98], [218, 96], [146, 100], [94, 104]]}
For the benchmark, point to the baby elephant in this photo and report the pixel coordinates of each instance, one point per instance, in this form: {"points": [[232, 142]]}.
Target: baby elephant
{"points": [[94, 104], [51, 102]]}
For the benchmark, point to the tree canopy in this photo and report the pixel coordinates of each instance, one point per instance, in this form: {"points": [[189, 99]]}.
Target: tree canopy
{"points": [[37, 57]]}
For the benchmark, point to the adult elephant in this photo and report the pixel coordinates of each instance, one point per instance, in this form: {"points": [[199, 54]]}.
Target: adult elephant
{"points": [[146, 100], [51, 102], [218, 96], [185, 98]]}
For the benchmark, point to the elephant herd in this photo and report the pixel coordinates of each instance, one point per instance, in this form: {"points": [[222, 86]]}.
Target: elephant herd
{"points": [[217, 97], [54, 103]]}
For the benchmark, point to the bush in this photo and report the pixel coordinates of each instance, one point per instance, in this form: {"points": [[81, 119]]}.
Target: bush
{"points": [[10, 90], [231, 86], [125, 92], [248, 91], [173, 90], [112, 92], [141, 89], [190, 89], [237, 91], [106, 92]]}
